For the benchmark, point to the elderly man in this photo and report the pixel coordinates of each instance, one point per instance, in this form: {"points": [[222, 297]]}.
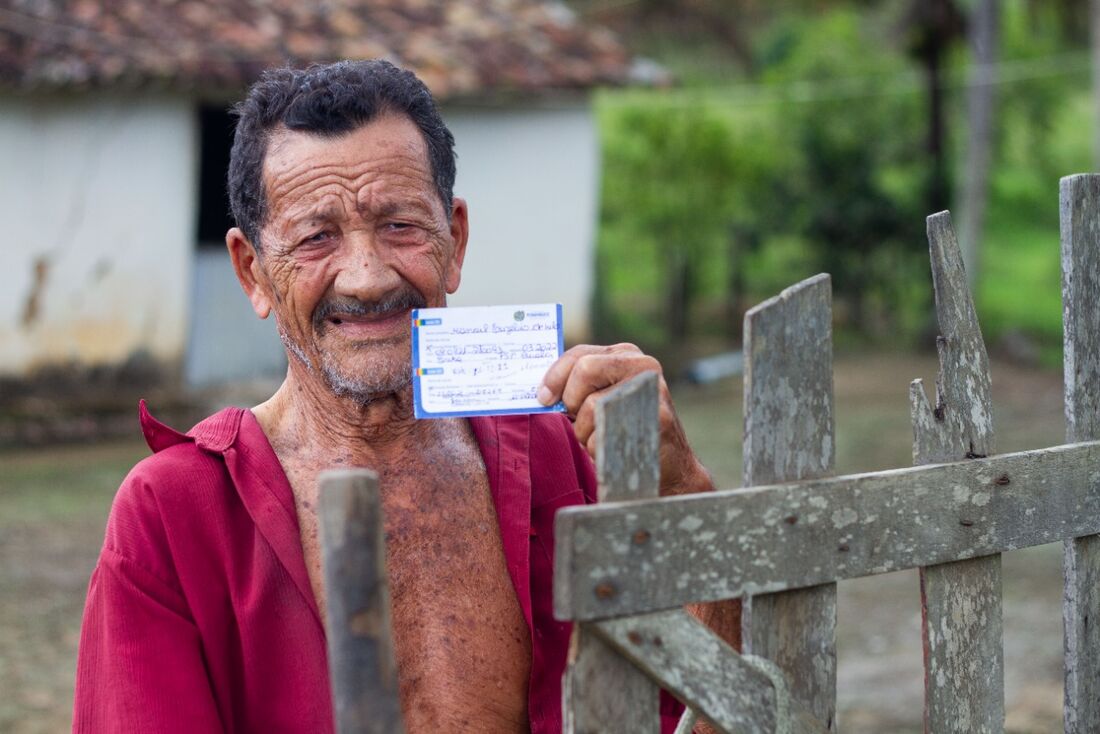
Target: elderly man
{"points": [[204, 611]]}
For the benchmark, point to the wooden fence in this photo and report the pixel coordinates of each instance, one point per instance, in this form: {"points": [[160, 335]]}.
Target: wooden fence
{"points": [[626, 567]]}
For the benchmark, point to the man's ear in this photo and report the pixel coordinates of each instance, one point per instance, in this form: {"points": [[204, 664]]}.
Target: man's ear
{"points": [[460, 234], [246, 263]]}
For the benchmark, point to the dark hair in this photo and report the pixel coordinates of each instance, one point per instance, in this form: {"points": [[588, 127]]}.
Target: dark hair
{"points": [[328, 100]]}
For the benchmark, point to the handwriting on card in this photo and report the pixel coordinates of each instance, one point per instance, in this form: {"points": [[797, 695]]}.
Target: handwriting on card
{"points": [[483, 360]]}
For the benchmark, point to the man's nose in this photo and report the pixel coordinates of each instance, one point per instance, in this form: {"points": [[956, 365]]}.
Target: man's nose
{"points": [[364, 271]]}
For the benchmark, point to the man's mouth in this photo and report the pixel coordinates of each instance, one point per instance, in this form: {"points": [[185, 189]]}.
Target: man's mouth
{"points": [[362, 320], [370, 326], [340, 318]]}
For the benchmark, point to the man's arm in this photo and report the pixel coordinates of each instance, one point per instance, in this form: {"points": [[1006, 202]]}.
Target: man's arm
{"points": [[140, 666]]}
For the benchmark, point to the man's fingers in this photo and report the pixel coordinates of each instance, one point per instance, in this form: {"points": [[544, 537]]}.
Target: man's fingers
{"points": [[554, 380], [585, 423], [590, 446], [557, 377], [585, 373], [595, 372], [592, 373]]}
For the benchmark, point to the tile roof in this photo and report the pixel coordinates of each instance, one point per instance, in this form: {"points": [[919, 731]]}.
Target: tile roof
{"points": [[458, 47]]}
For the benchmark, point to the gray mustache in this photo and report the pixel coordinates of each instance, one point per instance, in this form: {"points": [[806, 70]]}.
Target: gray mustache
{"points": [[400, 301]]}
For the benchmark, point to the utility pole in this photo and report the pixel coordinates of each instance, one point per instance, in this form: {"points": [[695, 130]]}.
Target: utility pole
{"points": [[980, 98]]}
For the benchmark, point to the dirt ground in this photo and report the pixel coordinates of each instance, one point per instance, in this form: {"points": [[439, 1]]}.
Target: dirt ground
{"points": [[53, 504]]}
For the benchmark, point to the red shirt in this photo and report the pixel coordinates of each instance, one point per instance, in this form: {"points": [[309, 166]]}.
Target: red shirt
{"points": [[200, 616]]}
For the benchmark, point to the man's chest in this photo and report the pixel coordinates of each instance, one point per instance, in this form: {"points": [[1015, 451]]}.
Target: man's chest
{"points": [[462, 644]]}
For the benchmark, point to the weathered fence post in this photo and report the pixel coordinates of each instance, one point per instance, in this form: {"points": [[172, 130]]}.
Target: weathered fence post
{"points": [[961, 600], [789, 435], [360, 641], [1080, 215], [602, 691]]}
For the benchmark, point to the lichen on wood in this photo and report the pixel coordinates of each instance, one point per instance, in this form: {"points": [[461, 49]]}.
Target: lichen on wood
{"points": [[961, 600], [1080, 214]]}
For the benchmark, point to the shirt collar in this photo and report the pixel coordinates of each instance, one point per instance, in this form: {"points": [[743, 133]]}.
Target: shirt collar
{"points": [[504, 443], [257, 476]]}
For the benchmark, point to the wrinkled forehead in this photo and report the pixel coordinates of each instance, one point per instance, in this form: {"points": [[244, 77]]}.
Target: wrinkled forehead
{"points": [[385, 137], [390, 145]]}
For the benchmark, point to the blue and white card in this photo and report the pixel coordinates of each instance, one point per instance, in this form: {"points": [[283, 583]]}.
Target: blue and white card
{"points": [[483, 360]]}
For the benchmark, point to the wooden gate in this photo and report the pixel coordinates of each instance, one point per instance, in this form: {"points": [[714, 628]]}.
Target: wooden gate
{"points": [[626, 567]]}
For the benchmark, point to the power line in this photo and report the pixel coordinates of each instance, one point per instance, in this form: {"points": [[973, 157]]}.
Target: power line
{"points": [[810, 91]]}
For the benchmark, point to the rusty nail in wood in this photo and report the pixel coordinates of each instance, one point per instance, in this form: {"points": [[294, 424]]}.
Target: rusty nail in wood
{"points": [[641, 537], [966, 523], [605, 590], [843, 548], [634, 637], [791, 519], [1002, 480]]}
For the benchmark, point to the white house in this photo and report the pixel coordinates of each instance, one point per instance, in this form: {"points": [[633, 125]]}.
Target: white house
{"points": [[114, 137]]}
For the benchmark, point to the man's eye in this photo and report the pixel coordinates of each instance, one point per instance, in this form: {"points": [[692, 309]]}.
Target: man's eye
{"points": [[401, 233], [316, 237]]}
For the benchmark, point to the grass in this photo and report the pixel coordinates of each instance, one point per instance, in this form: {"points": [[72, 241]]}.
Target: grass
{"points": [[59, 485], [53, 506], [1020, 284]]}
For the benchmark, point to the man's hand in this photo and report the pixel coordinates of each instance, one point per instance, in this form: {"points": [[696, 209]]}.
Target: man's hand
{"points": [[585, 373]]}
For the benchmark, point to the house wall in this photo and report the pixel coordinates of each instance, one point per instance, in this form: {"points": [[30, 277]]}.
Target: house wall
{"points": [[227, 342], [531, 179], [97, 204]]}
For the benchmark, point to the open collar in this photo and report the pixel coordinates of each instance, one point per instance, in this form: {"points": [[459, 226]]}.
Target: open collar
{"points": [[265, 491]]}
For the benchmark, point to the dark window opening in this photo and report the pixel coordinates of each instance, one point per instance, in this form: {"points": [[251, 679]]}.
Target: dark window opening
{"points": [[216, 127]]}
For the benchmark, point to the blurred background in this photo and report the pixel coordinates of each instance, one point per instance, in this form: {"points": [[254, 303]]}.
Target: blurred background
{"points": [[656, 166]]}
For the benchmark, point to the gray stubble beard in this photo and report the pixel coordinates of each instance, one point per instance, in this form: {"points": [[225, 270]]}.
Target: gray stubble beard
{"points": [[382, 382]]}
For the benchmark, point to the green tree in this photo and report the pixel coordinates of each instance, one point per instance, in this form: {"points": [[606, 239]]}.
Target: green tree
{"points": [[858, 187], [670, 174]]}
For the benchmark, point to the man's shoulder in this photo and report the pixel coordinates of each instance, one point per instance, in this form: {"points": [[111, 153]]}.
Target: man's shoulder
{"points": [[180, 461], [185, 475], [169, 471]]}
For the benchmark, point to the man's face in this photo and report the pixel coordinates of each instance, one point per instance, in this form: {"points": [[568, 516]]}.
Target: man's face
{"points": [[356, 236]]}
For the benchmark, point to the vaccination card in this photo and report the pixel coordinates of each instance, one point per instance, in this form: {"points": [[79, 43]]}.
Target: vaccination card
{"points": [[483, 360]]}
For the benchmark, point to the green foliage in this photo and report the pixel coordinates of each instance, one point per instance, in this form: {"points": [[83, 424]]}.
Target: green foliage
{"points": [[675, 171], [676, 178], [753, 196], [862, 166], [1020, 287], [1044, 132], [818, 163]]}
